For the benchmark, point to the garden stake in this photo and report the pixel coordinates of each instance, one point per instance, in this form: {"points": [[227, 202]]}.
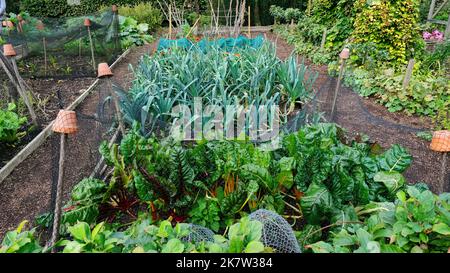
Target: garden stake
{"points": [[45, 55], [345, 54], [104, 72], [115, 11], [441, 143], [249, 23], [408, 75], [40, 26], [10, 54], [170, 22], [324, 39], [87, 23], [65, 124], [79, 45]]}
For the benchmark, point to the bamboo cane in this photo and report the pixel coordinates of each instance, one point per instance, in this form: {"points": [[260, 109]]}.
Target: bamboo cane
{"points": [[338, 86], [59, 189], [92, 47], [20, 88], [249, 23], [44, 42], [170, 22]]}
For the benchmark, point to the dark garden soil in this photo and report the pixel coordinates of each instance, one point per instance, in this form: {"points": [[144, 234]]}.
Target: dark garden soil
{"points": [[29, 190], [46, 106], [359, 115]]}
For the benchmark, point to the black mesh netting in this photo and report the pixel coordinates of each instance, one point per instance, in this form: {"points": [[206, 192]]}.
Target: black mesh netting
{"points": [[276, 233], [61, 47]]}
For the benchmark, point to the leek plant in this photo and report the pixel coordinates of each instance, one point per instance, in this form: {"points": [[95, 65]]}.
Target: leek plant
{"points": [[246, 77]]}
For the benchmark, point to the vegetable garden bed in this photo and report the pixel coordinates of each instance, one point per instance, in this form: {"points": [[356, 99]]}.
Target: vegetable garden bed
{"points": [[340, 193]]}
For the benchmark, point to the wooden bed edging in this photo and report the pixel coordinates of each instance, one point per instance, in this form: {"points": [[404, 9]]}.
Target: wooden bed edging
{"points": [[40, 139]]}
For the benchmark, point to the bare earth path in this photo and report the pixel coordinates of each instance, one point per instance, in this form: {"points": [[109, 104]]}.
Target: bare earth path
{"points": [[28, 191]]}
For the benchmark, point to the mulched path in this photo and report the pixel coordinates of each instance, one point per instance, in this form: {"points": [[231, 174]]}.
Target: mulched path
{"points": [[28, 191], [360, 115]]}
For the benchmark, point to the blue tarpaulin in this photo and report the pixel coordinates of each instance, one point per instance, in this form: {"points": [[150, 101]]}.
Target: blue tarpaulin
{"points": [[227, 44]]}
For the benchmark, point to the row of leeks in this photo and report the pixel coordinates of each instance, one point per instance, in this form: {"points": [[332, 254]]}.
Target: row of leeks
{"points": [[247, 77]]}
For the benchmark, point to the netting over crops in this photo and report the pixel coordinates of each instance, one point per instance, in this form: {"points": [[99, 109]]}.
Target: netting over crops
{"points": [[277, 233], [226, 44], [61, 47], [199, 234]]}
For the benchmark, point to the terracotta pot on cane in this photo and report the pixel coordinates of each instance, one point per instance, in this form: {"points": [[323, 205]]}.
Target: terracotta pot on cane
{"points": [[345, 54], [104, 70], [66, 122], [441, 141], [8, 50], [87, 22]]}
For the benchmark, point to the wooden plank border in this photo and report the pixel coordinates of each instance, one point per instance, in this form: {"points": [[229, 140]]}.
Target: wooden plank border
{"points": [[40, 139]]}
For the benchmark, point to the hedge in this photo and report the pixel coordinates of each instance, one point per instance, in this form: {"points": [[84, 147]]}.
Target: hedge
{"points": [[58, 8]]}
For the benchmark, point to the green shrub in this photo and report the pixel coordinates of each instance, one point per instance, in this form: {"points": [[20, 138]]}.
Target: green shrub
{"points": [[58, 8], [143, 13], [390, 25]]}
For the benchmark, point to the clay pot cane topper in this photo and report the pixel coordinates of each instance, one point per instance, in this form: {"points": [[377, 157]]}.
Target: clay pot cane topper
{"points": [[104, 70], [114, 8], [441, 143], [8, 50], [66, 122], [87, 22], [345, 54]]}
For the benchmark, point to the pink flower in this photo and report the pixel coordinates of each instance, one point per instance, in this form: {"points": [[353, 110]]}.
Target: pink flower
{"points": [[438, 36], [426, 35]]}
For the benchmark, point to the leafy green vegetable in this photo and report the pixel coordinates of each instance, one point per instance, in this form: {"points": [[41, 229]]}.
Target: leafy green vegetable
{"points": [[10, 124]]}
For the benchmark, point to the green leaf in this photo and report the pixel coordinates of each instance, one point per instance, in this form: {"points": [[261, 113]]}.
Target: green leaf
{"points": [[254, 247], [81, 232], [321, 247], [442, 228], [173, 246], [316, 203], [88, 188], [395, 159], [393, 181]]}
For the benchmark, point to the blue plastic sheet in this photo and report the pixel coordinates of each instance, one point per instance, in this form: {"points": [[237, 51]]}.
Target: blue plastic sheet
{"points": [[226, 44]]}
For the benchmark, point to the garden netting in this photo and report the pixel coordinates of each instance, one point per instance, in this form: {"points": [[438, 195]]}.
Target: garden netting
{"points": [[226, 44], [61, 47]]}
